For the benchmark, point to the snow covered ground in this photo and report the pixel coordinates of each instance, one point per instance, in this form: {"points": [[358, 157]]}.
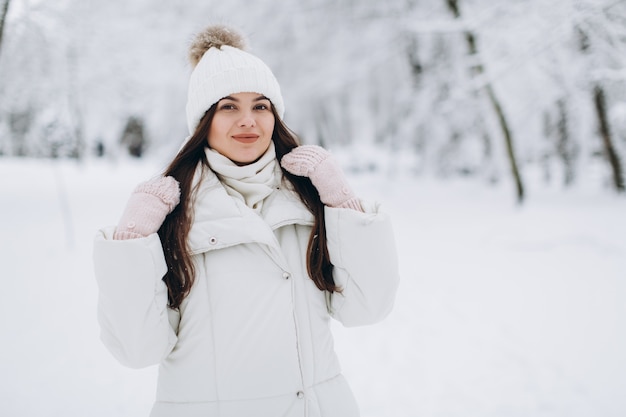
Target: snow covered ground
{"points": [[502, 311]]}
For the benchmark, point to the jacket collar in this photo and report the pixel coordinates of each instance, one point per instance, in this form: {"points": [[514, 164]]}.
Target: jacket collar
{"points": [[221, 221]]}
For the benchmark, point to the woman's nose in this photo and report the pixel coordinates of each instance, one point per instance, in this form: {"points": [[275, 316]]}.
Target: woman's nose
{"points": [[247, 120]]}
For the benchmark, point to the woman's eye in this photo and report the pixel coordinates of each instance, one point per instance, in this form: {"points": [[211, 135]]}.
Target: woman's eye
{"points": [[261, 107], [227, 107]]}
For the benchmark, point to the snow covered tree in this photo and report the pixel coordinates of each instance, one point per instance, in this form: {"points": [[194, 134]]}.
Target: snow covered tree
{"points": [[477, 69], [604, 48], [4, 10]]}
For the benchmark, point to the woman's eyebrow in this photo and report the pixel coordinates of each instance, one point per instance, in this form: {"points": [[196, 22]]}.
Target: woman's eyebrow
{"points": [[259, 98]]}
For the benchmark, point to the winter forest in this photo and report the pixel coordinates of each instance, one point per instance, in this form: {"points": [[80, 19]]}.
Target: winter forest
{"points": [[492, 90], [493, 131]]}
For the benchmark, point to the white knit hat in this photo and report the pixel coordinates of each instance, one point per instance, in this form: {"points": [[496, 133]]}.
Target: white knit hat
{"points": [[222, 68]]}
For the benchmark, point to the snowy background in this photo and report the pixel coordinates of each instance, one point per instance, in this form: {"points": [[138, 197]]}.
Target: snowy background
{"points": [[502, 310], [506, 308]]}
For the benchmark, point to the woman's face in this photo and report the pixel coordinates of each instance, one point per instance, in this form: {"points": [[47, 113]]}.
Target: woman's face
{"points": [[242, 127]]}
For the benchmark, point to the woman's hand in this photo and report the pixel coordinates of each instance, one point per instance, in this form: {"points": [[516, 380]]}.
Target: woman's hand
{"points": [[324, 172], [149, 204]]}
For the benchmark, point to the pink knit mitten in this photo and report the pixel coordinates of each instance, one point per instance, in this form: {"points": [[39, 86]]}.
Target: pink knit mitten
{"points": [[147, 207], [325, 173]]}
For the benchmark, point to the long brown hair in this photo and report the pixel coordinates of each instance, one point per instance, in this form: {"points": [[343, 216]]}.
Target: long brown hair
{"points": [[175, 229]]}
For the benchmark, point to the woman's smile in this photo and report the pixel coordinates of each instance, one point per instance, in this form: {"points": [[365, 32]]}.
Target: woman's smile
{"points": [[246, 137]]}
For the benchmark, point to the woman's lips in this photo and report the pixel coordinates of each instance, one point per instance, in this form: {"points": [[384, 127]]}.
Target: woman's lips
{"points": [[246, 137]]}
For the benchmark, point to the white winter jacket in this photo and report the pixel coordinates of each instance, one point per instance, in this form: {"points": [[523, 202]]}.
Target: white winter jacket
{"points": [[253, 337]]}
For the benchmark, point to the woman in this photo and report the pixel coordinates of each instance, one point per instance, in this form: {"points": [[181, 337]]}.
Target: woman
{"points": [[226, 270]]}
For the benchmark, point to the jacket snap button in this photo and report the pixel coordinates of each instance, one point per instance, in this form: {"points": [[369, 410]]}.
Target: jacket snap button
{"points": [[300, 394], [131, 225], [286, 275], [212, 240]]}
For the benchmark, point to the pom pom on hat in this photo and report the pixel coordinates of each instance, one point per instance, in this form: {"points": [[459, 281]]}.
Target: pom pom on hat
{"points": [[214, 37], [222, 68]]}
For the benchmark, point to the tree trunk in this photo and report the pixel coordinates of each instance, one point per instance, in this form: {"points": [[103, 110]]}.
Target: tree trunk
{"points": [[565, 147], [78, 144], [603, 124], [3, 18], [508, 141], [478, 69]]}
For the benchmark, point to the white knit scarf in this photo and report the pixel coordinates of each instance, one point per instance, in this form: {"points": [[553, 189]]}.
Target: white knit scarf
{"points": [[249, 183]]}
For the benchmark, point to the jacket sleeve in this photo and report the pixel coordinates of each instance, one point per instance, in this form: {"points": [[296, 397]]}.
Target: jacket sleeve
{"points": [[363, 251], [136, 325]]}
